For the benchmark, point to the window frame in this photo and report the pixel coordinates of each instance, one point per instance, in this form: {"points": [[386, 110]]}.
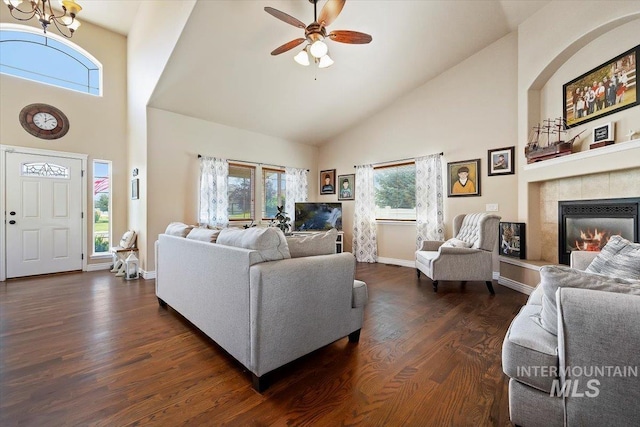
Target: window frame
{"points": [[253, 192], [68, 44], [110, 208], [388, 166], [281, 179]]}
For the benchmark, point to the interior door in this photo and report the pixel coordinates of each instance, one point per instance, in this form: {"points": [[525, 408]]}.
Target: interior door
{"points": [[43, 220]]}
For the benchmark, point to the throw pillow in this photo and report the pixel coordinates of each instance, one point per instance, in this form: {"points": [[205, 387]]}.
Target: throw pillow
{"points": [[313, 244], [269, 242], [128, 239], [456, 243], [554, 277], [179, 229], [203, 234], [618, 258]]}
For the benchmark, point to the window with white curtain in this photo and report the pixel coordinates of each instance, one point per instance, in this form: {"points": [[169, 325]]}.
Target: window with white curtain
{"points": [[273, 190], [395, 190], [241, 190]]}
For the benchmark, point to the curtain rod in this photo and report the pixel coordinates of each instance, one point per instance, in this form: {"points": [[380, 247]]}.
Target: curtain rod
{"points": [[252, 163], [397, 161]]}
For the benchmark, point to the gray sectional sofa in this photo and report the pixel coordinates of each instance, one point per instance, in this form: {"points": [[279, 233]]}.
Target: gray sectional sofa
{"points": [[573, 352], [261, 306]]}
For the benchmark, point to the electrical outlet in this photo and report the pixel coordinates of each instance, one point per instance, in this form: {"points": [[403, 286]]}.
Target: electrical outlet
{"points": [[491, 207]]}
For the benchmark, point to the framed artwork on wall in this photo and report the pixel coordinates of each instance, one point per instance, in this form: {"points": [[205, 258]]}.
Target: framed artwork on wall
{"points": [[346, 187], [328, 181], [501, 161], [513, 239], [604, 90], [463, 178], [135, 188]]}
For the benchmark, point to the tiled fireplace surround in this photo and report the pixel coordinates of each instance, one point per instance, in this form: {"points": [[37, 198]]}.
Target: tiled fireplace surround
{"points": [[608, 185]]}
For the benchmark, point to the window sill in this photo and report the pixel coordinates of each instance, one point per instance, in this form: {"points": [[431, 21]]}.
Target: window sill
{"points": [[396, 222], [101, 256]]}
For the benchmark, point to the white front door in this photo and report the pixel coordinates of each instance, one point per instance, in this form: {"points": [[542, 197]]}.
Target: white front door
{"points": [[43, 214]]}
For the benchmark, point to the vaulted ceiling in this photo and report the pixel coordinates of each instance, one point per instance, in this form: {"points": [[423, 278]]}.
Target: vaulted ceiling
{"points": [[221, 69]]}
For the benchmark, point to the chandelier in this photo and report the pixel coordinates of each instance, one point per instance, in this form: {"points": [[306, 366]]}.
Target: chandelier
{"points": [[27, 9]]}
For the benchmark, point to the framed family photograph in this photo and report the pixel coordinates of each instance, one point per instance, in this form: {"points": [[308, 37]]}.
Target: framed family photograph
{"points": [[346, 187], [604, 90], [328, 181], [501, 161], [512, 239], [463, 178]]}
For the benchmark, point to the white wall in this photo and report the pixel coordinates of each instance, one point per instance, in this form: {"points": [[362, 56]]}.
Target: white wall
{"points": [[463, 112], [97, 124], [151, 41], [173, 166]]}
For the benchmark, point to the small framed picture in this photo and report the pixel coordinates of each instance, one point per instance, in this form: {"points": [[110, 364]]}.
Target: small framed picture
{"points": [[328, 181], [463, 178], [346, 187], [513, 239], [604, 134], [135, 189], [501, 161]]}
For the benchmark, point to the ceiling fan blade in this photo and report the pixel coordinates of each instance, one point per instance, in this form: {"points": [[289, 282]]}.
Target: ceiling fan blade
{"points": [[330, 12], [284, 17], [288, 46], [352, 37]]}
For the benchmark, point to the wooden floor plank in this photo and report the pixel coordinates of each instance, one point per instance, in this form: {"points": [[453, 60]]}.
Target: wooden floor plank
{"points": [[92, 349]]}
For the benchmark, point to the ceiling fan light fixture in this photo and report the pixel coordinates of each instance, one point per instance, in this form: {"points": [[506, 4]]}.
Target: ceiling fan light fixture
{"points": [[302, 58], [325, 62], [318, 49]]}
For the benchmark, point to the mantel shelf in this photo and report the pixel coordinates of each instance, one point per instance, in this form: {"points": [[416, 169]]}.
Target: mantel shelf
{"points": [[620, 156], [614, 148]]}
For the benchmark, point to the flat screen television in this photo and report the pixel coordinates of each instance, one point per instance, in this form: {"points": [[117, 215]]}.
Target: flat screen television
{"points": [[317, 216]]}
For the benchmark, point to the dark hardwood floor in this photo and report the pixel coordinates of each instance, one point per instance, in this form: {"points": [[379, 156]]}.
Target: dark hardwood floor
{"points": [[92, 349]]}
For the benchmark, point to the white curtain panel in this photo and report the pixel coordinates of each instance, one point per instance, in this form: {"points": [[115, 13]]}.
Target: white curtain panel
{"points": [[296, 189], [214, 198], [365, 244], [429, 202]]}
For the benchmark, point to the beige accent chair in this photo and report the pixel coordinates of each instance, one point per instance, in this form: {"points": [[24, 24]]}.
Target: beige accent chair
{"points": [[466, 257]]}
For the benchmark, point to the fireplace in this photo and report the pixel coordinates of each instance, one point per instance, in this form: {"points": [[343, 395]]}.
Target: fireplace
{"points": [[586, 225]]}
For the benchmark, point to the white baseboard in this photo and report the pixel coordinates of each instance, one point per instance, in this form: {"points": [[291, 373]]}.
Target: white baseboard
{"points": [[98, 267], [396, 261], [148, 275], [516, 286]]}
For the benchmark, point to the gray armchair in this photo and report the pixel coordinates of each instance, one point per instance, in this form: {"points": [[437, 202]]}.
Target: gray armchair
{"points": [[468, 256]]}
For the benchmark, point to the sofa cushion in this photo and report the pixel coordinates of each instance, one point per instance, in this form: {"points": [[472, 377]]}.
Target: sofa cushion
{"points": [[554, 277], [204, 234], [178, 229], [536, 296], [529, 353], [456, 243], [313, 244], [268, 241], [618, 258]]}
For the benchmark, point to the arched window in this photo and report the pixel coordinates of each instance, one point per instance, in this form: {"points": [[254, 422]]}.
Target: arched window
{"points": [[27, 53]]}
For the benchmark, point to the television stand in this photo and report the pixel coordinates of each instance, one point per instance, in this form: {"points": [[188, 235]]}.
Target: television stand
{"points": [[339, 238]]}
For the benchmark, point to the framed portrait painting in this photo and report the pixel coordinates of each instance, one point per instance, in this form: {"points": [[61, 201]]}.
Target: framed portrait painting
{"points": [[512, 239], [328, 181], [346, 187], [604, 90], [501, 161], [463, 178]]}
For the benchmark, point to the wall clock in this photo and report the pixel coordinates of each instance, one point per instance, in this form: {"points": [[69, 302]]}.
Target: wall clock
{"points": [[44, 121]]}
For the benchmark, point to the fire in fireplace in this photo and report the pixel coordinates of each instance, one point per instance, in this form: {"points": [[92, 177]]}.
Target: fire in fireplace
{"points": [[587, 225]]}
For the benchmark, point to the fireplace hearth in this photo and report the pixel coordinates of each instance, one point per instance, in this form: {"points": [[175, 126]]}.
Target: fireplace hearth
{"points": [[587, 225]]}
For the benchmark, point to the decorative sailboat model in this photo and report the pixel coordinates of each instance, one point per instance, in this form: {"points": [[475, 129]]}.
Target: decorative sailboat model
{"points": [[551, 131]]}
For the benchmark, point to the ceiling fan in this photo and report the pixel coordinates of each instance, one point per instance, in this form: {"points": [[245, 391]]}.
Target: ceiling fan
{"points": [[315, 33]]}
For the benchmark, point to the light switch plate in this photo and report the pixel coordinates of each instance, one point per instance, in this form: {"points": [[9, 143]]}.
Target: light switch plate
{"points": [[492, 207]]}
